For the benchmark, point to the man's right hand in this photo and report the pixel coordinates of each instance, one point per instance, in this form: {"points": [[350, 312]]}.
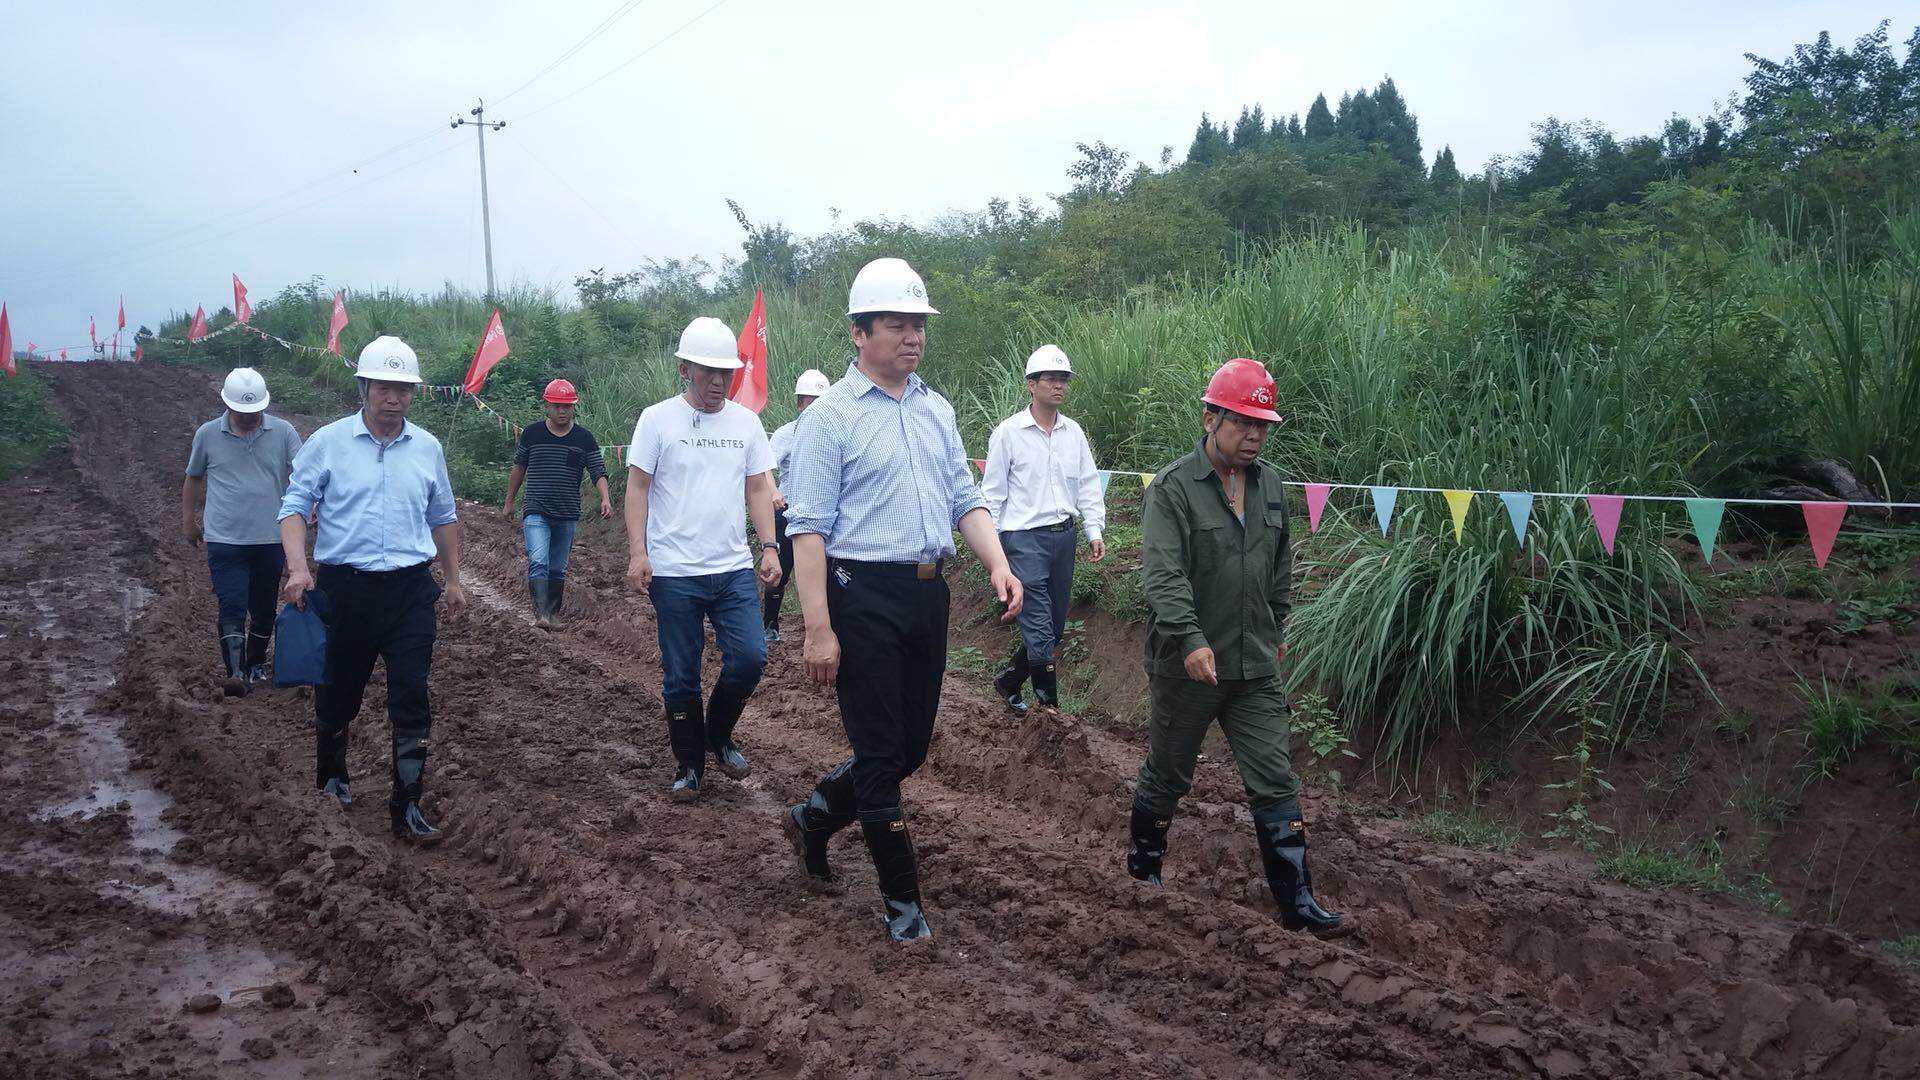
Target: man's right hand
{"points": [[1200, 666], [640, 573], [295, 590], [821, 652], [509, 508], [194, 533]]}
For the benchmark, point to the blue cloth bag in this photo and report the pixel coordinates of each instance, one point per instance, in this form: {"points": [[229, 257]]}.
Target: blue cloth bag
{"points": [[300, 644]]}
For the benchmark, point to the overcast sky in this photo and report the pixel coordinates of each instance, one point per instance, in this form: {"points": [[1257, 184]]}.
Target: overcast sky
{"points": [[152, 152]]}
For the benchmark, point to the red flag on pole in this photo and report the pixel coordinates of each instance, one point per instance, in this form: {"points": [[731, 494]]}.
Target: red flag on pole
{"points": [[242, 310], [63, 356], [30, 348], [492, 350], [138, 349], [6, 343], [750, 382], [123, 314], [199, 328], [339, 323], [91, 336]]}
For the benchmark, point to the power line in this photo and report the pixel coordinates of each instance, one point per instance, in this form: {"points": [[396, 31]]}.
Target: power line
{"points": [[629, 62], [605, 24]]}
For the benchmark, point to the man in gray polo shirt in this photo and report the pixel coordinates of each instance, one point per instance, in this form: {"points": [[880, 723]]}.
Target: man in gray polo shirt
{"points": [[238, 469]]}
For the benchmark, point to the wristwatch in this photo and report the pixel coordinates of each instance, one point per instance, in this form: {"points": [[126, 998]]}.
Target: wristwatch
{"points": [[768, 545]]}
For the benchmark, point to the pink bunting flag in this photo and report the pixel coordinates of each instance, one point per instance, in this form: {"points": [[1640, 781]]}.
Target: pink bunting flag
{"points": [[1316, 502], [980, 464], [1823, 525], [1606, 517]]}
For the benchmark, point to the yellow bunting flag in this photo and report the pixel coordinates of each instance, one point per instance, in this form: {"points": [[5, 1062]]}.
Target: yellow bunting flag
{"points": [[1457, 502], [1146, 479]]}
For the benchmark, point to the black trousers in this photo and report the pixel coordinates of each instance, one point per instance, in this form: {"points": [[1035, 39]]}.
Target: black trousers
{"points": [[771, 597], [892, 626], [377, 616]]}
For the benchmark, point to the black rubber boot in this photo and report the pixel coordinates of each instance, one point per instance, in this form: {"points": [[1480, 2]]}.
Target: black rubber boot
{"points": [[892, 851], [1283, 851], [1148, 845], [257, 656], [556, 598], [233, 650], [537, 589], [723, 712], [811, 824], [409, 782], [330, 764], [1046, 688], [686, 731], [1007, 684]]}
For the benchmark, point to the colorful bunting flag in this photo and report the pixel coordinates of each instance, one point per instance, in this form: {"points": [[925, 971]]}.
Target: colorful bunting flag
{"points": [[1706, 515], [1316, 502], [1106, 478], [1383, 500], [1823, 524], [1606, 517], [1146, 479], [1457, 502], [1519, 509]]}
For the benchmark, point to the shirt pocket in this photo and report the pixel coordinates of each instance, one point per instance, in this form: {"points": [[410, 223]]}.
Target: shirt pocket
{"points": [[1211, 547]]}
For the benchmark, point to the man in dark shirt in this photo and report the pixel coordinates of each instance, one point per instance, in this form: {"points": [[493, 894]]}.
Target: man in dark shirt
{"points": [[1216, 565], [549, 458]]}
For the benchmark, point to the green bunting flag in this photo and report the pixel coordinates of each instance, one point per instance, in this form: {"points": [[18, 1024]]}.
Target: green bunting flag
{"points": [[1706, 523]]}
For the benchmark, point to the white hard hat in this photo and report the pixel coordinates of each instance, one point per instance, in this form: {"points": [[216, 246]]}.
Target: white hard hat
{"points": [[388, 359], [888, 285], [707, 341], [1046, 360], [812, 383], [245, 390]]}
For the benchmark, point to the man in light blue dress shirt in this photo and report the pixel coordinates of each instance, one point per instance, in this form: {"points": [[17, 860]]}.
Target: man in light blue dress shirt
{"points": [[879, 484], [385, 513]]}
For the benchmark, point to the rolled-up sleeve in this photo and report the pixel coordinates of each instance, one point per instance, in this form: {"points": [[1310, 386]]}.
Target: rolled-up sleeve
{"points": [[1093, 499], [1163, 566], [963, 494], [307, 484], [440, 509], [813, 491]]}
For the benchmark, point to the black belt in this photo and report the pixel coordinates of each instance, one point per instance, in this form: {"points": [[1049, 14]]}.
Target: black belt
{"points": [[925, 571], [1058, 526], [343, 568]]}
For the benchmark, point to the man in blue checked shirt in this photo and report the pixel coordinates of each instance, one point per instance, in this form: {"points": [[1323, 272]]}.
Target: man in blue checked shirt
{"points": [[879, 484], [386, 511]]}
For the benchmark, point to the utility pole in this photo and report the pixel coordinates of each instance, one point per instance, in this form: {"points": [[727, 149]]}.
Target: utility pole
{"points": [[480, 126]]}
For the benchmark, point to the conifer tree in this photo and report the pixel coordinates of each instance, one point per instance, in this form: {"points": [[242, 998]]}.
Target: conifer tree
{"points": [[1319, 123]]}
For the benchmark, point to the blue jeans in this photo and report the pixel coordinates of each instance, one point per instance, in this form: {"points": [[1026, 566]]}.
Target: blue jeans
{"points": [[731, 601], [549, 545], [246, 581]]}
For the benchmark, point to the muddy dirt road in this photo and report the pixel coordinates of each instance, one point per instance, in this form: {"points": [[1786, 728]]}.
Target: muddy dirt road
{"points": [[162, 843]]}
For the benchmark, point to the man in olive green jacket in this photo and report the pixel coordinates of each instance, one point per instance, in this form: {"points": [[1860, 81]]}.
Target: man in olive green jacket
{"points": [[1216, 562]]}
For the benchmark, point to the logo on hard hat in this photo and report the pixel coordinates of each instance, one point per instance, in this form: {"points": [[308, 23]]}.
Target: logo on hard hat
{"points": [[915, 289], [1262, 395], [249, 397], [394, 362]]}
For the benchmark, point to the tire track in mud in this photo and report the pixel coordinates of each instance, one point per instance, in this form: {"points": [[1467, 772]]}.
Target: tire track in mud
{"points": [[575, 922]]}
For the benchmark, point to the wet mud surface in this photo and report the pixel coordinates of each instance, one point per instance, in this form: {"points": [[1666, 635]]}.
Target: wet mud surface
{"points": [[163, 842]]}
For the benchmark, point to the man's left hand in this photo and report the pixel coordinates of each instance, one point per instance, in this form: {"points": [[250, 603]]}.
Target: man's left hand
{"points": [[1007, 588], [606, 510], [769, 567], [1099, 549], [456, 598]]}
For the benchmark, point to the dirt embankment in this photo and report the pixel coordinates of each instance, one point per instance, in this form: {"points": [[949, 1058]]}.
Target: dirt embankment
{"points": [[577, 923]]}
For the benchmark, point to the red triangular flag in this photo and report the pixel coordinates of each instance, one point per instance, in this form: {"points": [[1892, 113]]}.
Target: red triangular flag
{"points": [[30, 345], [199, 328], [1606, 517], [1823, 524], [750, 382], [6, 343], [123, 314], [242, 310], [339, 323], [492, 350], [1316, 502]]}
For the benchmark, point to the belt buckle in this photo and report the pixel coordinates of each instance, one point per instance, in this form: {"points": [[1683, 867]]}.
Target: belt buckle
{"points": [[926, 571]]}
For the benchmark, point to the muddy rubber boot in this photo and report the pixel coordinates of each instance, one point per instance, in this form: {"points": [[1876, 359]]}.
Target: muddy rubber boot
{"points": [[257, 658], [1007, 684], [409, 781], [723, 713], [330, 764], [686, 731], [893, 861], [556, 599], [537, 589], [810, 825], [1147, 847], [233, 650], [1046, 688], [1283, 852]]}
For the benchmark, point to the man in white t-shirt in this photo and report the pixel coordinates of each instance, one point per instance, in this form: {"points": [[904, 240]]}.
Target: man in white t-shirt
{"points": [[692, 456]]}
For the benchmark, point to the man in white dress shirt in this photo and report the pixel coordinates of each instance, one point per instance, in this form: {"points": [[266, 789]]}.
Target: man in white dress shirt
{"points": [[1040, 476]]}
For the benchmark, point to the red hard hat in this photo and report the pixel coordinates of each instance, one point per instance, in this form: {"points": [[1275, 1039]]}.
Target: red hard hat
{"points": [[1243, 386], [560, 392]]}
